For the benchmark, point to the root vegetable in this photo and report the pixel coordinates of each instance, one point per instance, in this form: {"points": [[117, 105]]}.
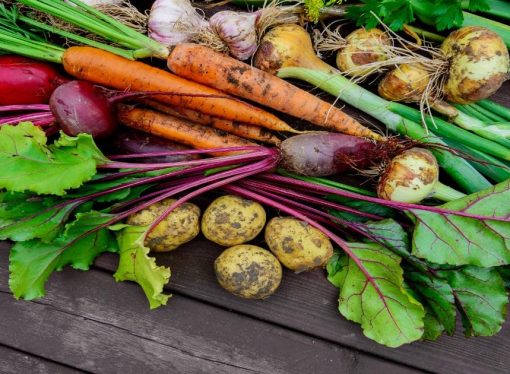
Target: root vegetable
{"points": [[135, 142], [362, 47], [231, 220], [248, 271], [24, 81], [297, 245], [407, 83], [479, 64], [179, 227], [80, 107], [412, 177]]}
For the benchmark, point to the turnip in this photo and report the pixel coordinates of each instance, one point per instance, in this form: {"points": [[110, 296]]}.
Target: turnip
{"points": [[24, 81]]}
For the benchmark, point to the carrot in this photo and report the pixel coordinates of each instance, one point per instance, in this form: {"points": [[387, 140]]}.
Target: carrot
{"points": [[176, 129], [204, 65], [240, 129], [110, 70]]}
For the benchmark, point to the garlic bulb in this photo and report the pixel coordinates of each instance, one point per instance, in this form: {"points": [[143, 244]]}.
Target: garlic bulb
{"points": [[238, 31], [174, 21]]}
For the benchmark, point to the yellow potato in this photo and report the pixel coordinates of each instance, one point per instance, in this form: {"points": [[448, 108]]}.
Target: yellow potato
{"points": [[232, 220], [248, 271], [298, 246], [178, 228]]}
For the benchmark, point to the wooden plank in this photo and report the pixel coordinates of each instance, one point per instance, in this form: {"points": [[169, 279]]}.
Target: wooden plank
{"points": [[90, 322], [15, 362], [306, 302]]}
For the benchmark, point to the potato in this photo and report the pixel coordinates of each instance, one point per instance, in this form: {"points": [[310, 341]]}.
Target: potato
{"points": [[298, 246], [181, 225], [248, 271], [232, 220]]}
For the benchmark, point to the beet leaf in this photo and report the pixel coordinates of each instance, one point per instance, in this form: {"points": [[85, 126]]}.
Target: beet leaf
{"points": [[33, 261], [136, 265], [30, 164], [389, 314], [481, 298], [26, 216], [456, 240], [436, 295]]}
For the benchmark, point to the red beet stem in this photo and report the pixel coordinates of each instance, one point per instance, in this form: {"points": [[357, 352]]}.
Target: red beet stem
{"points": [[285, 191], [389, 203], [215, 181], [24, 108], [186, 152]]}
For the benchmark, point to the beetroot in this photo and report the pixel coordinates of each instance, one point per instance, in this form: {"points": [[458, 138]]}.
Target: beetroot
{"points": [[81, 107], [24, 81], [136, 142], [323, 153]]}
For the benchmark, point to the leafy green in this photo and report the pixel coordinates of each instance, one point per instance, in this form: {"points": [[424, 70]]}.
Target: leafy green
{"points": [[436, 294], [360, 205], [443, 14], [26, 216], [136, 265], [313, 7], [455, 240], [372, 294], [33, 261], [433, 327], [30, 164], [390, 234], [481, 297]]}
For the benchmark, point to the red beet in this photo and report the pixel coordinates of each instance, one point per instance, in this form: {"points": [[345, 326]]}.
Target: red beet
{"points": [[320, 154], [81, 107], [136, 142], [25, 81]]}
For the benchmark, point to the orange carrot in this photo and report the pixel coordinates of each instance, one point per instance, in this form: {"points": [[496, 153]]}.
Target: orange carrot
{"points": [[113, 71], [204, 65], [176, 129], [240, 129]]}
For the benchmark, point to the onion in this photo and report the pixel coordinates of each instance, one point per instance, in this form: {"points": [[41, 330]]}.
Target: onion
{"points": [[407, 83], [412, 177], [479, 64], [287, 46], [362, 47]]}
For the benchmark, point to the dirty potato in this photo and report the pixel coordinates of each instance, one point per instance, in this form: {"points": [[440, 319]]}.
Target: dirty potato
{"points": [[248, 271], [181, 225], [298, 246], [232, 220]]}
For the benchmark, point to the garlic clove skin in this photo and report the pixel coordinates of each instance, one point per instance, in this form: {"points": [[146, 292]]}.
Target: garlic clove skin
{"points": [[410, 177], [174, 21], [238, 31]]}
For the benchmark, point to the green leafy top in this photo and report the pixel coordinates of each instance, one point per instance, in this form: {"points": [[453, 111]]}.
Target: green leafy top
{"points": [[30, 164], [443, 14]]}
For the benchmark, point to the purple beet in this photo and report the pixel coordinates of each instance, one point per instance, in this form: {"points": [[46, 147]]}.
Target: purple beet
{"points": [[81, 107]]}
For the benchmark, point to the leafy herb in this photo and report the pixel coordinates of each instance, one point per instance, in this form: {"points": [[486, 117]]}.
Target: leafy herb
{"points": [[33, 261], [444, 14], [387, 313], [30, 164], [135, 265], [448, 239]]}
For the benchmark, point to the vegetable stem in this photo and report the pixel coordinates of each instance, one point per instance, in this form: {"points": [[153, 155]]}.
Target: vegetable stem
{"points": [[496, 108], [459, 169], [446, 193]]}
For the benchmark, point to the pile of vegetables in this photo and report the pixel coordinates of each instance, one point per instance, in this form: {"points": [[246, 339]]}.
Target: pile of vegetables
{"points": [[108, 154]]}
